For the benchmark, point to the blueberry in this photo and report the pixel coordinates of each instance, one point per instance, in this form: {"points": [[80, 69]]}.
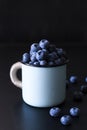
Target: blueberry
{"points": [[83, 88], [74, 111], [60, 51], [32, 53], [66, 120], [44, 43], [34, 47], [55, 111], [51, 63], [73, 79], [41, 55], [43, 63], [36, 63], [86, 79], [59, 61], [25, 58], [33, 57], [52, 56], [52, 48], [77, 96], [30, 63]]}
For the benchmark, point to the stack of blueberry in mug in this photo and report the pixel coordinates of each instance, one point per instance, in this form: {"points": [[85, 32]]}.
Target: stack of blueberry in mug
{"points": [[44, 54]]}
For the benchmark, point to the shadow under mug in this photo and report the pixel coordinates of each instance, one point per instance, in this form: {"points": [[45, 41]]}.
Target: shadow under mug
{"points": [[41, 86]]}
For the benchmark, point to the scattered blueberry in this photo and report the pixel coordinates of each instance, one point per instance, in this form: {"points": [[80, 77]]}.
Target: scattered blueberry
{"points": [[74, 111], [25, 58], [66, 120], [44, 43], [83, 88], [86, 79], [77, 96], [55, 111], [73, 79]]}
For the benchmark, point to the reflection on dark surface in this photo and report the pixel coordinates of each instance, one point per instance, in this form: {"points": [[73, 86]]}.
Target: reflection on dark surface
{"points": [[31, 117]]}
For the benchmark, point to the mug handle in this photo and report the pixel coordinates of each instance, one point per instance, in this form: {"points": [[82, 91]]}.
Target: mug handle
{"points": [[13, 74]]}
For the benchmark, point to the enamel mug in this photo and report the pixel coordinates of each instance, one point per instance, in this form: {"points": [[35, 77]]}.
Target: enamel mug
{"points": [[41, 86]]}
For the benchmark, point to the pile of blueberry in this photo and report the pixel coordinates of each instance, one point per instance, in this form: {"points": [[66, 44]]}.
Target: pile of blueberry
{"points": [[44, 54], [67, 118], [73, 111]]}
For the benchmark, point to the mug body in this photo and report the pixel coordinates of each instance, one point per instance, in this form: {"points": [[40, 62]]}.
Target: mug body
{"points": [[43, 86]]}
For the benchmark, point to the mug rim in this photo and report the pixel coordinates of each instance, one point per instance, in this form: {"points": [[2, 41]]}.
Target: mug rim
{"points": [[66, 62]]}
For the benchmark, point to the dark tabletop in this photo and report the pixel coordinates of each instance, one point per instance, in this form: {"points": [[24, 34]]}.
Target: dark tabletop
{"points": [[16, 115]]}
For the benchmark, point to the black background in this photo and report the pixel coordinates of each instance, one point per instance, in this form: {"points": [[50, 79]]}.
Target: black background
{"points": [[24, 21], [60, 21]]}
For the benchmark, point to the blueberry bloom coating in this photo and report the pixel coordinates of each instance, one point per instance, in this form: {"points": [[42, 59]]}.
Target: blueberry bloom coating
{"points": [[66, 120], [55, 111], [74, 111]]}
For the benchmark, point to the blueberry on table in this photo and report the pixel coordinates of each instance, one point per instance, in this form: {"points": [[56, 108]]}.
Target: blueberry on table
{"points": [[77, 96], [74, 111], [44, 43], [55, 111], [86, 79], [66, 120], [73, 79], [25, 58], [83, 88]]}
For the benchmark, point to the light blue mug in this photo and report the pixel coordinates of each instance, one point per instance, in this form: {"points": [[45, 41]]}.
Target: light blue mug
{"points": [[41, 86]]}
